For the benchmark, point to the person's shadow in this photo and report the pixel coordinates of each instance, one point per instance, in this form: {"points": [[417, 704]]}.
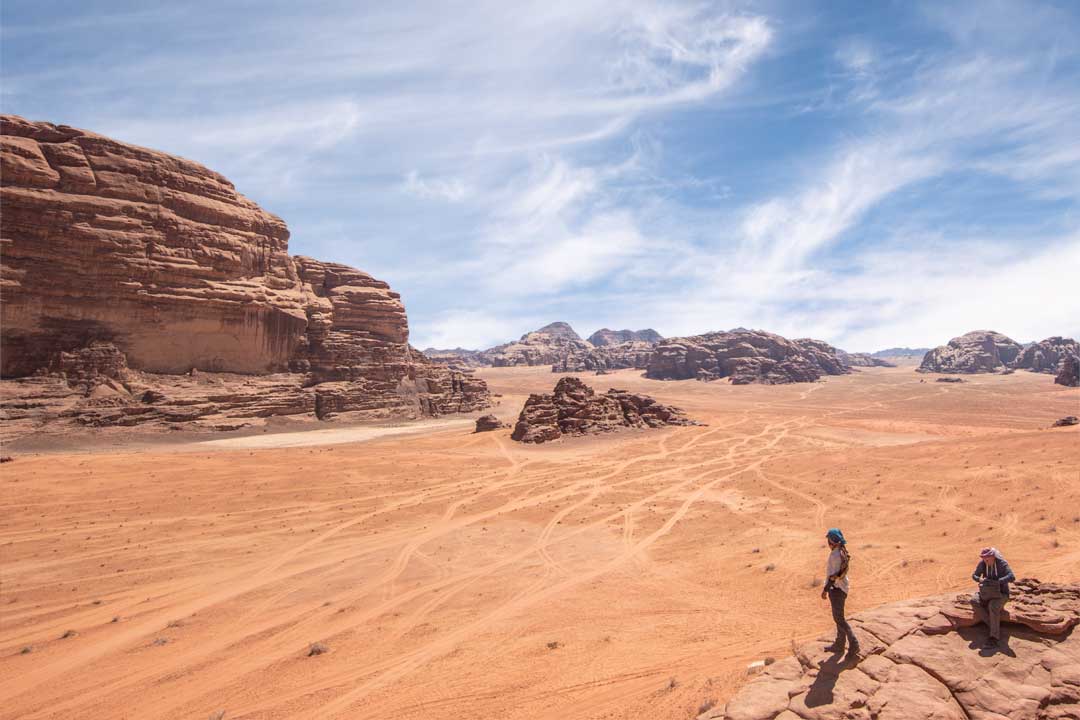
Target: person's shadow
{"points": [[976, 636], [821, 691]]}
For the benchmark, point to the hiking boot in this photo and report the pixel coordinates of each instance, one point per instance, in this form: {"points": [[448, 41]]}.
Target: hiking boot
{"points": [[854, 652]]}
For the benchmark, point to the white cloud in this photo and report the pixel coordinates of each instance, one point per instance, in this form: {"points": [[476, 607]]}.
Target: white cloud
{"points": [[448, 189]]}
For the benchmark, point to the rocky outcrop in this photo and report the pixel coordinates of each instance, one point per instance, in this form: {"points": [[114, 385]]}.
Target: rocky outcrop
{"points": [[745, 356], [458, 357], [981, 351], [635, 354], [487, 423], [1046, 355], [546, 346], [1069, 374], [575, 409], [920, 662], [603, 337], [161, 259], [863, 360]]}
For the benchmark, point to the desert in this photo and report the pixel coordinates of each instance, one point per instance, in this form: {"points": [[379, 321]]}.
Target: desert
{"points": [[633, 574], [636, 360]]}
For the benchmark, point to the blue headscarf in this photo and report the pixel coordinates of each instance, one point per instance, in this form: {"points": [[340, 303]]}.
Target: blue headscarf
{"points": [[836, 536]]}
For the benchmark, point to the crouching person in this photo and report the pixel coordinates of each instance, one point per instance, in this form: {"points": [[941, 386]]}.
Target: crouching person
{"points": [[993, 575]]}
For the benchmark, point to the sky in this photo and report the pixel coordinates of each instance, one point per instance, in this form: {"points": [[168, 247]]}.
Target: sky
{"points": [[872, 174]]}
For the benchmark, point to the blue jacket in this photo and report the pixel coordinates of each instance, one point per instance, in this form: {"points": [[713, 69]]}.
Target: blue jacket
{"points": [[1002, 572]]}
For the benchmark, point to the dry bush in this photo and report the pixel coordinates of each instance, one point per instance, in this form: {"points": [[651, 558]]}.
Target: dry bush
{"points": [[317, 649]]}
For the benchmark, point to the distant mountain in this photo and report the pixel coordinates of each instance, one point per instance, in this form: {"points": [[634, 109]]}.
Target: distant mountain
{"points": [[545, 346], [979, 351], [603, 337], [900, 352]]}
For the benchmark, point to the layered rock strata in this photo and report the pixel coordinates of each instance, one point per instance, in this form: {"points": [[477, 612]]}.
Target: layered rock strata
{"points": [[980, 351], [575, 409], [745, 356], [161, 259], [921, 662]]}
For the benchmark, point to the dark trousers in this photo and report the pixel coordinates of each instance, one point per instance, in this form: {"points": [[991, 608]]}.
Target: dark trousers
{"points": [[837, 598], [989, 611]]}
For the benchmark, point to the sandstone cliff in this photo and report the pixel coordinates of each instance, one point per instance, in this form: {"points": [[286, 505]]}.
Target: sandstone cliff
{"points": [[921, 662], [1069, 374], [980, 351], [633, 354], [744, 356], [604, 336], [104, 242], [1046, 355]]}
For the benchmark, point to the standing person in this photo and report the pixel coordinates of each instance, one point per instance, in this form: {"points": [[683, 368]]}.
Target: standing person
{"points": [[993, 575], [836, 588]]}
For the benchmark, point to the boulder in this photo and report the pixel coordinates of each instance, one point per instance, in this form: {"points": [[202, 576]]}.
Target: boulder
{"points": [[1069, 373], [921, 662], [1047, 355], [981, 351], [119, 259], [487, 423], [745, 356], [603, 337], [575, 409]]}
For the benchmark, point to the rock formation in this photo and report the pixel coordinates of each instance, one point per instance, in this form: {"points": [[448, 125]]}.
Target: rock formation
{"points": [[745, 356], [863, 360], [603, 337], [633, 354], [1067, 421], [1069, 374], [487, 423], [162, 260], [981, 351], [546, 346], [575, 409], [457, 357], [921, 662], [1046, 355]]}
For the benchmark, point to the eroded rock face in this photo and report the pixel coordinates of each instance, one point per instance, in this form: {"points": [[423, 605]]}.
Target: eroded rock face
{"points": [[1046, 355], [603, 337], [634, 354], [745, 356], [981, 351], [1069, 374], [575, 409], [545, 346], [921, 662], [164, 261]]}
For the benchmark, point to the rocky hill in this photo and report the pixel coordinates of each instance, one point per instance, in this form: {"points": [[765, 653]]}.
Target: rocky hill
{"points": [[745, 356], [901, 352], [864, 360], [1046, 355], [1069, 374], [546, 346], [575, 409], [980, 351], [454, 356], [109, 245], [603, 337], [921, 661], [633, 354]]}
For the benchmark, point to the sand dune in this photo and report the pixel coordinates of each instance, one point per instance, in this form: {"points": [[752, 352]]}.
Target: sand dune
{"points": [[462, 575]]}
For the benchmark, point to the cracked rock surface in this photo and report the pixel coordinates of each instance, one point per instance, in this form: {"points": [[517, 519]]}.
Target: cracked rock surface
{"points": [[922, 660]]}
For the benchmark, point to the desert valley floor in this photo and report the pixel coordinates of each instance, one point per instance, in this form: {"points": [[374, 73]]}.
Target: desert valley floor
{"points": [[460, 575]]}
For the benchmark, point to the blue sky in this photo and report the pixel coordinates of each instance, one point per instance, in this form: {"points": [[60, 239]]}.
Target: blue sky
{"points": [[868, 173]]}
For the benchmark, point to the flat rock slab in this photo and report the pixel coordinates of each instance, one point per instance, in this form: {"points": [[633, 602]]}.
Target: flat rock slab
{"points": [[922, 660]]}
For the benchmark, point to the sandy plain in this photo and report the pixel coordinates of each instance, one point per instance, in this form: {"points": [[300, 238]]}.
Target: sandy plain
{"points": [[463, 575]]}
